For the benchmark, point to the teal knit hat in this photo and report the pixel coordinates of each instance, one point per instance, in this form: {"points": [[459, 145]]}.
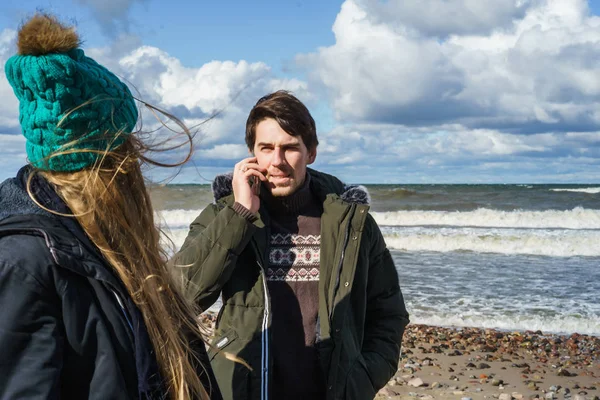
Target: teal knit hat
{"points": [[67, 101]]}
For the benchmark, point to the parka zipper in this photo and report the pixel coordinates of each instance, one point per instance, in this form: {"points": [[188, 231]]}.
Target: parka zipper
{"points": [[340, 264], [123, 310], [264, 390], [265, 339]]}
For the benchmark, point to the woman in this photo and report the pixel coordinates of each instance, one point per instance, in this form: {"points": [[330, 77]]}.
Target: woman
{"points": [[87, 309]]}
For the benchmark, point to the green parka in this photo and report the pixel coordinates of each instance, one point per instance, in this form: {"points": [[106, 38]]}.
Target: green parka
{"points": [[361, 315]]}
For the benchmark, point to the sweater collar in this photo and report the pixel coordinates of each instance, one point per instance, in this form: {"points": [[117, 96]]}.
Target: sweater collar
{"points": [[293, 204]]}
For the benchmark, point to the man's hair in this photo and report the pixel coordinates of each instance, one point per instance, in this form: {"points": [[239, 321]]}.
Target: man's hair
{"points": [[289, 112]]}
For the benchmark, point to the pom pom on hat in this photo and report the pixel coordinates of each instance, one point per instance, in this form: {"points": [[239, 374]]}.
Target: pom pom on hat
{"points": [[71, 108], [44, 34]]}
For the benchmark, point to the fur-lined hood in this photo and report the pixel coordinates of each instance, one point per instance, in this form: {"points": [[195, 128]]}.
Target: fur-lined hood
{"points": [[321, 183]]}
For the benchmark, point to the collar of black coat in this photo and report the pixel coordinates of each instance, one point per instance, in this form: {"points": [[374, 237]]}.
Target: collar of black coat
{"points": [[14, 199], [321, 184]]}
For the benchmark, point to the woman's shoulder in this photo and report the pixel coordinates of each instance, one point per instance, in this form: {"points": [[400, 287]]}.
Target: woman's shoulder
{"points": [[25, 259], [26, 249]]}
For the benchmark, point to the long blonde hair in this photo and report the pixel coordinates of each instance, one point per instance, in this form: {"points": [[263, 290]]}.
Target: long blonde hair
{"points": [[111, 203]]}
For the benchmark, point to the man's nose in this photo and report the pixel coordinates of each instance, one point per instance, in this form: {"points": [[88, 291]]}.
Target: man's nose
{"points": [[277, 157]]}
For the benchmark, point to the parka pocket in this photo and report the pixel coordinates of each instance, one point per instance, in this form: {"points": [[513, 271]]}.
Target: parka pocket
{"points": [[358, 382], [233, 377], [221, 342], [324, 354]]}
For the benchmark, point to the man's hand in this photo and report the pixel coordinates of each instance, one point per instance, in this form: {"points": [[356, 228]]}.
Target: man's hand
{"points": [[243, 193]]}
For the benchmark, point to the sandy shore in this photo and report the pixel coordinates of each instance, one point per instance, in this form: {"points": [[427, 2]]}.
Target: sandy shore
{"points": [[472, 363]]}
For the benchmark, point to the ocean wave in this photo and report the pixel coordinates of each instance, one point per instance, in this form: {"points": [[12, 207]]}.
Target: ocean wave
{"points": [[591, 190], [577, 218], [561, 324], [565, 323], [555, 243], [547, 233], [399, 193], [175, 219], [559, 243]]}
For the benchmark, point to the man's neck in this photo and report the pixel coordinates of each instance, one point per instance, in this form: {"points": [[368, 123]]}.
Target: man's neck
{"points": [[292, 204]]}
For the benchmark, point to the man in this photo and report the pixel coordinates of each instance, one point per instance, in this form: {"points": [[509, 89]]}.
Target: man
{"points": [[312, 308]]}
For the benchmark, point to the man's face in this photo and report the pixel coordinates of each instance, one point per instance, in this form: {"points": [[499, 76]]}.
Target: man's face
{"points": [[284, 156]]}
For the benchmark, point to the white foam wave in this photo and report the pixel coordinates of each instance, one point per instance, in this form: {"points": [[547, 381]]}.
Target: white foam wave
{"points": [[555, 243], [591, 190], [563, 324], [546, 242], [177, 236], [577, 218], [175, 219]]}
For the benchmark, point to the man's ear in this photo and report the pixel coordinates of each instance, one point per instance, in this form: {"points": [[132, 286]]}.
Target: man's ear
{"points": [[312, 155]]}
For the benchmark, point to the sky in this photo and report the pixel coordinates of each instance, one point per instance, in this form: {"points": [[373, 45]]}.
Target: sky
{"points": [[402, 91]]}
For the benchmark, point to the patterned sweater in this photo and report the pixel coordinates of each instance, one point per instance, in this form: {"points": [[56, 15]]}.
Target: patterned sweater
{"points": [[293, 281]]}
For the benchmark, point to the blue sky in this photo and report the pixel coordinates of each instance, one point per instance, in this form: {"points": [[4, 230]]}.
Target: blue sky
{"points": [[403, 91]]}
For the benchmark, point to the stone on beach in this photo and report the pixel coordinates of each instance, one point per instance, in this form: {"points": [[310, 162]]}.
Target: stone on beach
{"points": [[564, 372], [416, 382]]}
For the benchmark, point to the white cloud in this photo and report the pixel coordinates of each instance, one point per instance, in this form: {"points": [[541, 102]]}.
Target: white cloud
{"points": [[211, 87], [225, 152], [486, 142], [370, 66], [346, 159], [12, 154], [112, 15], [441, 18], [223, 91], [453, 148], [533, 69], [12, 144], [9, 106]]}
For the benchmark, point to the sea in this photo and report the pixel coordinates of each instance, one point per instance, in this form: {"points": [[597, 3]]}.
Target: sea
{"points": [[508, 257]]}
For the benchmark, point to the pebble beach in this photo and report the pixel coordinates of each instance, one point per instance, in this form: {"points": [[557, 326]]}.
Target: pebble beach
{"points": [[473, 363]]}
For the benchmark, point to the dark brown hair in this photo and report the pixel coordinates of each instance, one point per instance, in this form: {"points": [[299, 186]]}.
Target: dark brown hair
{"points": [[289, 112]]}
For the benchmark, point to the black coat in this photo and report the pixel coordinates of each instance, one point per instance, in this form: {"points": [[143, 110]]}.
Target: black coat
{"points": [[68, 328]]}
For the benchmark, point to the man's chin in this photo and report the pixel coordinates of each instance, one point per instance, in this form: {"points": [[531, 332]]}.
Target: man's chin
{"points": [[282, 191]]}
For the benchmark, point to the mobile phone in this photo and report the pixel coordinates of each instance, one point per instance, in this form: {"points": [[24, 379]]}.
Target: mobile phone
{"points": [[255, 185]]}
